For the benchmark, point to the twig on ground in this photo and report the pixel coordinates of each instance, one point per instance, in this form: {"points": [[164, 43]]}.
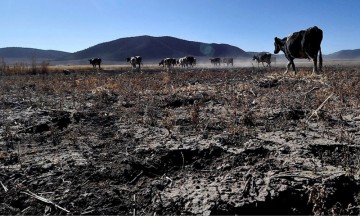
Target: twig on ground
{"points": [[5, 188], [136, 177], [308, 92], [134, 210], [87, 212], [168, 178], [44, 200], [41, 177], [313, 89], [252, 92], [25, 209], [183, 160], [294, 176], [321, 106]]}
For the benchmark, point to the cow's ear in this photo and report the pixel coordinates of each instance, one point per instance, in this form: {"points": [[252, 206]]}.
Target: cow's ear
{"points": [[276, 38]]}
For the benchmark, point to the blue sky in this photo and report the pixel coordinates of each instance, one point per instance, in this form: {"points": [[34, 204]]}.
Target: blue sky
{"points": [[74, 25]]}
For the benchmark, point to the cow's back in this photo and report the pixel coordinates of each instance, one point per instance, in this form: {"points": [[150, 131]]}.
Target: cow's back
{"points": [[312, 40], [294, 45]]}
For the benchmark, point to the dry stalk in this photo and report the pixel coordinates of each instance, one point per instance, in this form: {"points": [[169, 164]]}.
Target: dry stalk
{"points": [[136, 177], [44, 200], [5, 188], [183, 160], [134, 210], [321, 106]]}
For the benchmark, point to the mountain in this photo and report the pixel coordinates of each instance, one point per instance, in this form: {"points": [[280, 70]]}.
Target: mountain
{"points": [[345, 54], [155, 48], [150, 48], [28, 53]]}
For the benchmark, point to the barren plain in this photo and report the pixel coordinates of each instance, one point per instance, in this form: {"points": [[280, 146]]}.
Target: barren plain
{"points": [[228, 140]]}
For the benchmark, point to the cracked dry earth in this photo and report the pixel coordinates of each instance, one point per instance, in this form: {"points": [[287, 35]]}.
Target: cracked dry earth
{"points": [[198, 141]]}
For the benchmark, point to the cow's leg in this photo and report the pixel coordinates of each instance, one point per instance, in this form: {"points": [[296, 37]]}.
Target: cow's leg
{"points": [[320, 60], [293, 65], [314, 60], [290, 62], [315, 64], [263, 64]]}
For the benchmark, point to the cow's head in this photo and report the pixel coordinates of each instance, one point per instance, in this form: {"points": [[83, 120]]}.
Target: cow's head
{"points": [[161, 62], [91, 61], [279, 44], [255, 57], [128, 59]]}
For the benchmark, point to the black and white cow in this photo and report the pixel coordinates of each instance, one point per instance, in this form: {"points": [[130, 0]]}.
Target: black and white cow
{"points": [[162, 62], [168, 62], [135, 60], [228, 61], [263, 57], [181, 62], [304, 44], [215, 61], [186, 61], [95, 61]]}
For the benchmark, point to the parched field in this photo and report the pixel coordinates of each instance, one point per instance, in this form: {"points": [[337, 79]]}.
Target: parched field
{"points": [[206, 141]]}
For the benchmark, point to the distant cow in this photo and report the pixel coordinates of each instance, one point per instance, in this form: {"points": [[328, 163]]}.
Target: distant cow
{"points": [[302, 44], [215, 61], [187, 61], [190, 60], [228, 61], [135, 60], [263, 57], [95, 61], [167, 62], [181, 62]]}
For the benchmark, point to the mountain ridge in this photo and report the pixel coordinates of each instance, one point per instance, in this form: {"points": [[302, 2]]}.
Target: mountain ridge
{"points": [[345, 54], [23, 52], [149, 47]]}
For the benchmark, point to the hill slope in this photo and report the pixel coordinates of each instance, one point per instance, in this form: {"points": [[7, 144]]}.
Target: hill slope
{"points": [[155, 48], [19, 52], [345, 54]]}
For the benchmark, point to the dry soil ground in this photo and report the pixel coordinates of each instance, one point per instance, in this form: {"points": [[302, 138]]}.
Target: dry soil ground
{"points": [[192, 141]]}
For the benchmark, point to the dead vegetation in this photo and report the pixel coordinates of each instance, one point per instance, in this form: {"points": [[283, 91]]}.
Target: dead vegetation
{"points": [[198, 141]]}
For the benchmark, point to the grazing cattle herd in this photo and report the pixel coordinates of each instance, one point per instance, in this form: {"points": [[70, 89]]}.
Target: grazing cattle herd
{"points": [[304, 44]]}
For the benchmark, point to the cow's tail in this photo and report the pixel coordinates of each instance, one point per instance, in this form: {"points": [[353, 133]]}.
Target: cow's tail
{"points": [[320, 60]]}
